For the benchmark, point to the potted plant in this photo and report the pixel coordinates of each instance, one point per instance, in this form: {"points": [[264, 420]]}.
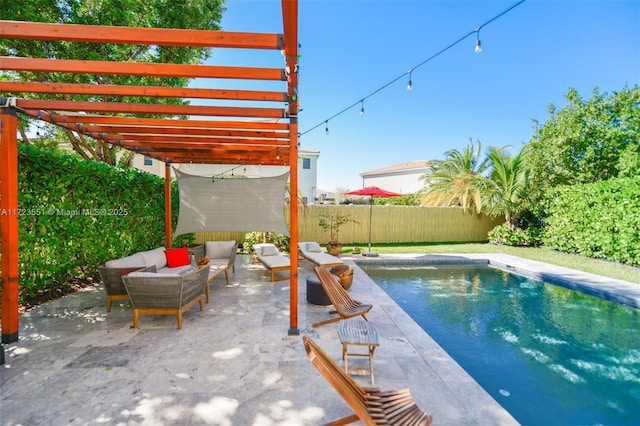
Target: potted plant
{"points": [[332, 223]]}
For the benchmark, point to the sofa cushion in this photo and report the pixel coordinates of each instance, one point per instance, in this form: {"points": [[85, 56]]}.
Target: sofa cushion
{"points": [[314, 247], [177, 257], [178, 270], [150, 275], [133, 261], [154, 257], [269, 250], [275, 261], [323, 259], [219, 249]]}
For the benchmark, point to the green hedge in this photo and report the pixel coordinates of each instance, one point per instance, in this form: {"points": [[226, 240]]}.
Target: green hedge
{"points": [[600, 220], [75, 215]]}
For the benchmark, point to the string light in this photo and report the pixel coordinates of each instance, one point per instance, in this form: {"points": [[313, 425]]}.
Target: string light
{"points": [[326, 127], [410, 83]]}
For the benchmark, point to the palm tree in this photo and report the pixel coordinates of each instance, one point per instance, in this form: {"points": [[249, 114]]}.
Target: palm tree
{"points": [[507, 191], [458, 180]]}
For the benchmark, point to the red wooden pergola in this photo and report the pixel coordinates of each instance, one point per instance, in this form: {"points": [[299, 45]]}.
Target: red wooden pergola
{"points": [[231, 133]]}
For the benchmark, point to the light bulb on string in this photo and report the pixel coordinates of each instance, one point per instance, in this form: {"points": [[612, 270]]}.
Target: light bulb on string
{"points": [[326, 127], [362, 107], [409, 86], [478, 43]]}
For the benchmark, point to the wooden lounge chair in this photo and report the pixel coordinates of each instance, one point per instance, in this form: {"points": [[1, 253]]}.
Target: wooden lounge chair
{"points": [[344, 305], [311, 251], [370, 406], [271, 258]]}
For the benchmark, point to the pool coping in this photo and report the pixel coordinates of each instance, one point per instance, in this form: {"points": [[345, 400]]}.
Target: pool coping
{"points": [[614, 290]]}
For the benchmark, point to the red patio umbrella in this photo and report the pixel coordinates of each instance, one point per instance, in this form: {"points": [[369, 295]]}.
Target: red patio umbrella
{"points": [[372, 191]]}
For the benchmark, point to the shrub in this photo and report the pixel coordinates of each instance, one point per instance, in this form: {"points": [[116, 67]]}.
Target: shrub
{"points": [[77, 214], [503, 235], [252, 238], [600, 220]]}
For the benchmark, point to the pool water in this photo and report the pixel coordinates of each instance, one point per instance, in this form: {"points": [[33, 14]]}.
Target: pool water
{"points": [[547, 354]]}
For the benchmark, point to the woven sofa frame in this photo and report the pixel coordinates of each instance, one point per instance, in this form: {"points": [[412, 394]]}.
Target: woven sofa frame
{"points": [[113, 285], [166, 295]]}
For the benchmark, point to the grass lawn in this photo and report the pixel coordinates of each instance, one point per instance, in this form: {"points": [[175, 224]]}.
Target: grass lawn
{"points": [[595, 266]]}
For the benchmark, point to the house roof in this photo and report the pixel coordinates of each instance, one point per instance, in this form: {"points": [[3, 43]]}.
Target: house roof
{"points": [[417, 165]]}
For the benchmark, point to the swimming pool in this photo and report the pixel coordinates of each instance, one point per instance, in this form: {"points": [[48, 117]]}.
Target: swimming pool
{"points": [[548, 354]]}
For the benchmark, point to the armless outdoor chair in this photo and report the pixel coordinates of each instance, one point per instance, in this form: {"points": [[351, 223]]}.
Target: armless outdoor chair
{"points": [[344, 305], [370, 406]]}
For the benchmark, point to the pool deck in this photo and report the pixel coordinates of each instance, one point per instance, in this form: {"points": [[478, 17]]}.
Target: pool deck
{"points": [[233, 363]]}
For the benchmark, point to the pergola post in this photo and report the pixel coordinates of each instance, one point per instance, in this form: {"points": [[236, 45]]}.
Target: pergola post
{"points": [[167, 204], [290, 24], [9, 211], [293, 249]]}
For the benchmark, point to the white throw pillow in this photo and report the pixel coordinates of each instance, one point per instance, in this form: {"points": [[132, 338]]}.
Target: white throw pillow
{"points": [[314, 247], [154, 257], [219, 249], [270, 251]]}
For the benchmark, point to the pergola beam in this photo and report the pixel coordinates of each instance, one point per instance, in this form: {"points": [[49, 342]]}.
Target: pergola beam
{"points": [[74, 66], [156, 122], [139, 130], [189, 141], [149, 91], [148, 36], [210, 157], [157, 109]]}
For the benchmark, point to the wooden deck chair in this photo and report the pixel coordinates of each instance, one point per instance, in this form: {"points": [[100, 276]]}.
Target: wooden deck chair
{"points": [[344, 305], [370, 406]]}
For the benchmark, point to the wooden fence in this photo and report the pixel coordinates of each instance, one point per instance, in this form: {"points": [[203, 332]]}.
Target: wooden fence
{"points": [[389, 224]]}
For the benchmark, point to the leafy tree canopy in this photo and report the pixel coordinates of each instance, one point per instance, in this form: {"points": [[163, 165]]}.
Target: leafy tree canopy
{"points": [[191, 14], [457, 180], [587, 140]]}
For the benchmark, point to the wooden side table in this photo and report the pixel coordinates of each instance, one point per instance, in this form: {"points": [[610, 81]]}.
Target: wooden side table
{"points": [[360, 333]]}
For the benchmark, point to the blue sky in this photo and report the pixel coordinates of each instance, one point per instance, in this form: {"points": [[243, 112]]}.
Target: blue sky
{"points": [[350, 48]]}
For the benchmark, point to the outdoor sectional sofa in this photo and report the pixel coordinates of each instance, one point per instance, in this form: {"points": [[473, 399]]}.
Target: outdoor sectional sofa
{"points": [[221, 254]]}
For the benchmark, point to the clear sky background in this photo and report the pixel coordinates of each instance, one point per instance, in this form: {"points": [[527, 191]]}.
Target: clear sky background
{"points": [[530, 58]]}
